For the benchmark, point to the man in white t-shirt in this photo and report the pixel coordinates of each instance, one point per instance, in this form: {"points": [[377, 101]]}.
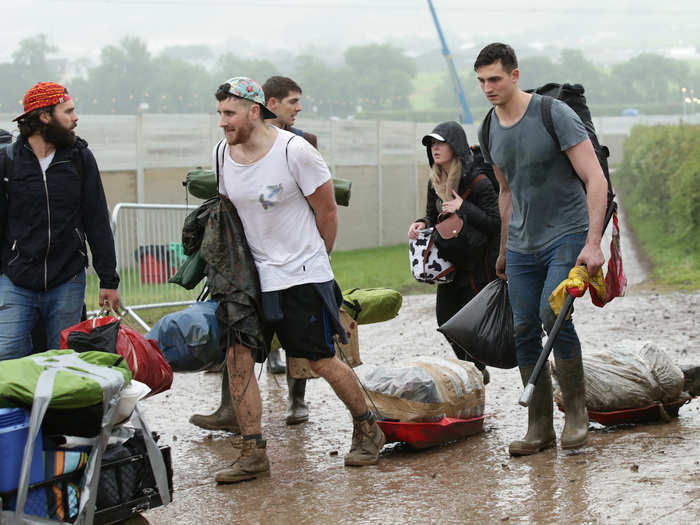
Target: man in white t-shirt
{"points": [[283, 193]]}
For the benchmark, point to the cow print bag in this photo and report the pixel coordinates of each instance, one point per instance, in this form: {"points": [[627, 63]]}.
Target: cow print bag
{"points": [[426, 265]]}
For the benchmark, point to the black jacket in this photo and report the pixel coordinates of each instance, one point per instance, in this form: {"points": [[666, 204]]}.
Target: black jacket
{"points": [[46, 222], [479, 211]]}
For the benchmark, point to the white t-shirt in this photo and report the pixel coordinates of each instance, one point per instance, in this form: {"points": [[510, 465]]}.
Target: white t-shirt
{"points": [[279, 224], [46, 161]]}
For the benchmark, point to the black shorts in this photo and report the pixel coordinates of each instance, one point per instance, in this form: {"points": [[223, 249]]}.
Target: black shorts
{"points": [[305, 329]]}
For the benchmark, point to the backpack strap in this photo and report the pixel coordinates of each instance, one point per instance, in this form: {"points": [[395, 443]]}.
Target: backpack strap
{"points": [[218, 148], [485, 131], [286, 150], [546, 112], [286, 156]]}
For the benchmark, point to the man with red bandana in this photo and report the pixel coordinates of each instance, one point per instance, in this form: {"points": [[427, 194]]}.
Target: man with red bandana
{"points": [[52, 205]]}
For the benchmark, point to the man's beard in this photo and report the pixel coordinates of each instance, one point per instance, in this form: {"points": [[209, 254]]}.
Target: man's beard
{"points": [[54, 133], [241, 135]]}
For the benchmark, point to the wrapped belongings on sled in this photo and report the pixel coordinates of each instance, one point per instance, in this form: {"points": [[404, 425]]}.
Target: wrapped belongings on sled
{"points": [[634, 382], [428, 401]]}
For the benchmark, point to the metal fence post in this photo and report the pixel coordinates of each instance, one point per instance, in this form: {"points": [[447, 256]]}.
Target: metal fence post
{"points": [[380, 204], [416, 173]]}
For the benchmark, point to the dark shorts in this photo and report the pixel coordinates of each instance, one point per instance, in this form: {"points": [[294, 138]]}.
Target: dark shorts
{"points": [[305, 329]]}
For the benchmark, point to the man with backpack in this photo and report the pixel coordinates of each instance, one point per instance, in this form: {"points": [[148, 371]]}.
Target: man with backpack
{"points": [[550, 223], [283, 98], [281, 188], [51, 205]]}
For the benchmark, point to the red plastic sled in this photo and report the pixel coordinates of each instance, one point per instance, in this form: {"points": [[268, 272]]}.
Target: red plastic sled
{"points": [[424, 434], [647, 414]]}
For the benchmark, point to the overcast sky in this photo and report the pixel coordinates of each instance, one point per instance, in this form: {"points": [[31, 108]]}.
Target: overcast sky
{"points": [[82, 27]]}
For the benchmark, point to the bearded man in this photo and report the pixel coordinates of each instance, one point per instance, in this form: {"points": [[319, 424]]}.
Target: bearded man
{"points": [[52, 204]]}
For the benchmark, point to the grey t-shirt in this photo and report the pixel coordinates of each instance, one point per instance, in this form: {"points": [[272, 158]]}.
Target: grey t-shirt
{"points": [[548, 198]]}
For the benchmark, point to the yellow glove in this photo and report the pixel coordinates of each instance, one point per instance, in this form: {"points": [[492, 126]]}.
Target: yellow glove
{"points": [[576, 285]]}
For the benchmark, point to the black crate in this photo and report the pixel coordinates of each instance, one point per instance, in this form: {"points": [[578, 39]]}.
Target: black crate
{"points": [[126, 487]]}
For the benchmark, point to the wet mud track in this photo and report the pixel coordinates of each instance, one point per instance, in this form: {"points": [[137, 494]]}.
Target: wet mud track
{"points": [[630, 474], [644, 474]]}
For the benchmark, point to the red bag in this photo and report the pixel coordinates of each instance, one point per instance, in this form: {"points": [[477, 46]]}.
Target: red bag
{"points": [[143, 356]]}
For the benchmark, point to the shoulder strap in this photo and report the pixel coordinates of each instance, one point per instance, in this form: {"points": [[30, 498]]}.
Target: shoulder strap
{"points": [[479, 177], [10, 151], [286, 156], [485, 131], [286, 149], [218, 148], [546, 111]]}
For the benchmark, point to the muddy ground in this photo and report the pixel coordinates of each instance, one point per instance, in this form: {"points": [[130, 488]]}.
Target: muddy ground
{"points": [[633, 474]]}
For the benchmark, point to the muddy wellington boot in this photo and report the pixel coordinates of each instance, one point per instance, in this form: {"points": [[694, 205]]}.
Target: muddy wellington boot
{"points": [[297, 411], [367, 441], [540, 412], [251, 463], [275, 363], [224, 418], [573, 393]]}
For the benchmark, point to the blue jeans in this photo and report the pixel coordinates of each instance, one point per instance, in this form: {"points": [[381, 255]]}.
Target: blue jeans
{"points": [[531, 279], [60, 308]]}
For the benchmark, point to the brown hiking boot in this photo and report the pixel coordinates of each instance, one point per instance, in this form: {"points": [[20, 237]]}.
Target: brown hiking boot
{"points": [[540, 429], [224, 418], [367, 441], [251, 463]]}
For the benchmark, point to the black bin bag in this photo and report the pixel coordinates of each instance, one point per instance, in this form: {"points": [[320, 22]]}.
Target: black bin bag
{"points": [[484, 327]]}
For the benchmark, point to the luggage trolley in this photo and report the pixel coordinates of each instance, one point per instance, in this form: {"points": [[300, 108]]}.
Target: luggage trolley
{"points": [[31, 499]]}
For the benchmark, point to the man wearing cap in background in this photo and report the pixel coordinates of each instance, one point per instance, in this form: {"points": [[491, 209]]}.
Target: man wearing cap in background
{"points": [[283, 98], [51, 203], [283, 193]]}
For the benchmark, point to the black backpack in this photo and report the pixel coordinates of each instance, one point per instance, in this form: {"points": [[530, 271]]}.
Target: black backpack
{"points": [[484, 167], [5, 138], [573, 96]]}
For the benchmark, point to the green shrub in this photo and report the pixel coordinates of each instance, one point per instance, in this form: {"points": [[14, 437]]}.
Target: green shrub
{"points": [[659, 182]]}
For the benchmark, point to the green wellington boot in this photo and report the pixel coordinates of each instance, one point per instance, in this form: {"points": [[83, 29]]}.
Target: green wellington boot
{"points": [[251, 463], [573, 393], [224, 418], [367, 441], [297, 411], [540, 412], [275, 362]]}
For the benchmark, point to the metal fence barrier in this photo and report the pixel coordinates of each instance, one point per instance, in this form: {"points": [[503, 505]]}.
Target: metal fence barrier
{"points": [[147, 239]]}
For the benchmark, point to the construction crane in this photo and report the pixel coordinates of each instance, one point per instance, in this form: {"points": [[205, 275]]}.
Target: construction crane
{"points": [[456, 84]]}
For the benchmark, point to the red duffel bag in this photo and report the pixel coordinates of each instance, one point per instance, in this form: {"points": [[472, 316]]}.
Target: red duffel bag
{"points": [[107, 334]]}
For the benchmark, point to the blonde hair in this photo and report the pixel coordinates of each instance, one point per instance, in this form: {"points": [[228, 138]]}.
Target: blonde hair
{"points": [[443, 181]]}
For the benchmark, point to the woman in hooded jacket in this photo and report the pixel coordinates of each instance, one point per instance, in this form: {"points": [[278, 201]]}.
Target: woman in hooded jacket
{"points": [[455, 174]]}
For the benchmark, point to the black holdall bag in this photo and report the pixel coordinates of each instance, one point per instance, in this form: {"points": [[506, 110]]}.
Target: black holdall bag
{"points": [[573, 96]]}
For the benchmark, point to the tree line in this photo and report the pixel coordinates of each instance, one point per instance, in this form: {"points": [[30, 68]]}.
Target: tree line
{"points": [[372, 80]]}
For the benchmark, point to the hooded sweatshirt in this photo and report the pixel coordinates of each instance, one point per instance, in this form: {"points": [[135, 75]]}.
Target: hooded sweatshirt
{"points": [[479, 211]]}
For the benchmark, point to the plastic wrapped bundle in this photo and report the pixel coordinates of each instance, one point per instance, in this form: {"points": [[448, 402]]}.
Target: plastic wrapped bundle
{"points": [[668, 375], [627, 378], [426, 389]]}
